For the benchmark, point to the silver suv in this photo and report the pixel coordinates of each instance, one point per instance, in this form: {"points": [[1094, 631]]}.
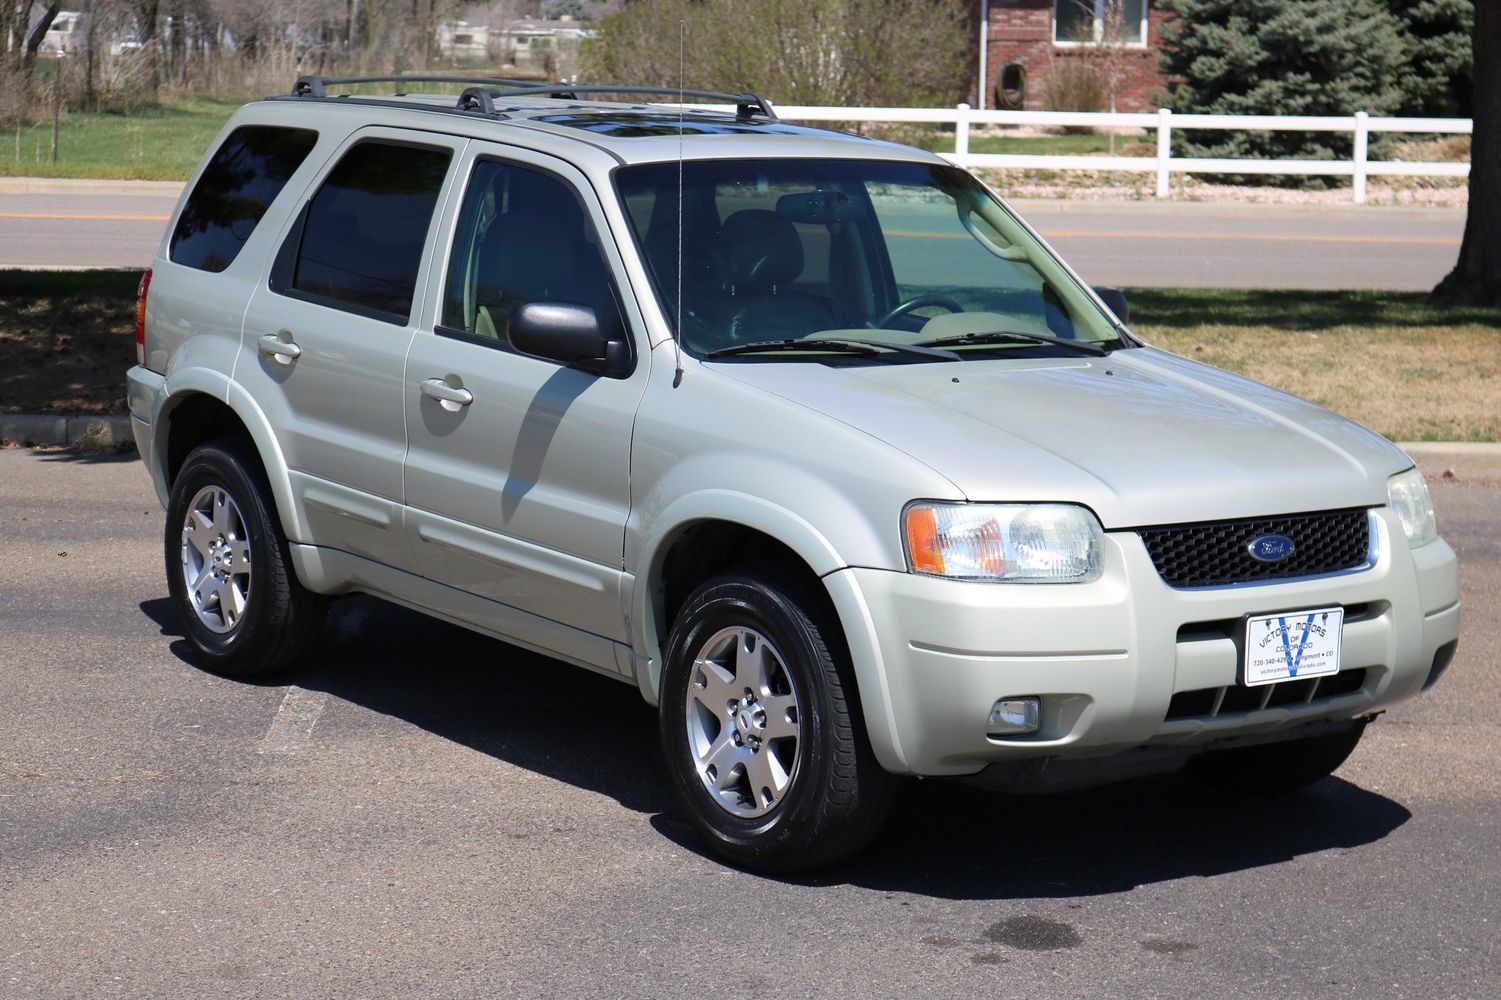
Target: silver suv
{"points": [[808, 436]]}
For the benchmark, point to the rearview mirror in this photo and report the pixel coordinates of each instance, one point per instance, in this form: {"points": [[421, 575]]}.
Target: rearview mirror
{"points": [[570, 335], [818, 208], [1116, 300]]}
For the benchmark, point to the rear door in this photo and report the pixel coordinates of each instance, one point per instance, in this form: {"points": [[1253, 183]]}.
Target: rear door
{"points": [[520, 494], [326, 335]]}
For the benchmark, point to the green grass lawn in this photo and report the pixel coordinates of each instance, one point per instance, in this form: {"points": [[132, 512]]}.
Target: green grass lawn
{"points": [[1035, 145], [1389, 360], [162, 142]]}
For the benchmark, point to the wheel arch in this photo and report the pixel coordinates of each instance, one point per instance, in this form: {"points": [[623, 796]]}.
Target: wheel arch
{"points": [[709, 534], [201, 406]]}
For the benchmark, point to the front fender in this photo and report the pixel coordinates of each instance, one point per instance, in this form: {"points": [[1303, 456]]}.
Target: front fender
{"points": [[810, 545]]}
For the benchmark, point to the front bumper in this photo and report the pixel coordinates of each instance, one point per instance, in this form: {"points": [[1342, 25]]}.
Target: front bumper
{"points": [[1108, 658]]}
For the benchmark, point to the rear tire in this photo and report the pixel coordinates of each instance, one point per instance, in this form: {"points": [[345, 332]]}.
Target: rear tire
{"points": [[229, 574], [1274, 768], [762, 729]]}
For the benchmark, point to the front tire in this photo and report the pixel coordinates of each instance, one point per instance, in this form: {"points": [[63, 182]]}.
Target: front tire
{"points": [[761, 726], [229, 574]]}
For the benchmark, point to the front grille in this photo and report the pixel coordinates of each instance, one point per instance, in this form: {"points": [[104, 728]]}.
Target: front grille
{"points": [[1215, 553], [1214, 703]]}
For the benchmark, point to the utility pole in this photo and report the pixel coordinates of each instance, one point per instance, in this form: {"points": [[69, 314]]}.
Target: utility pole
{"points": [[982, 103], [57, 103]]}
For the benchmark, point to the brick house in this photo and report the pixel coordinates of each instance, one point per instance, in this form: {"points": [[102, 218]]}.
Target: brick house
{"points": [[1033, 41]]}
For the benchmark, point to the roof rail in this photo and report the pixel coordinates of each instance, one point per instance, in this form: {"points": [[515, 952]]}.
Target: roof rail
{"points": [[317, 86], [746, 105], [483, 90]]}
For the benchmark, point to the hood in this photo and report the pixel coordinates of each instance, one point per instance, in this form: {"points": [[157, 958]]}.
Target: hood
{"points": [[1141, 436]]}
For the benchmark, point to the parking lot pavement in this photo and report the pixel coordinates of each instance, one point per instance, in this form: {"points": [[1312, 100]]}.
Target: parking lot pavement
{"points": [[427, 812]]}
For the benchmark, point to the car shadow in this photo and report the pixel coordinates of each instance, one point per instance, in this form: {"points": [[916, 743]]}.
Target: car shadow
{"points": [[528, 710], [78, 456], [942, 839], [1105, 840]]}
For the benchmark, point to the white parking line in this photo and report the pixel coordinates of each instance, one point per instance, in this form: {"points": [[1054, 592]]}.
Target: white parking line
{"points": [[294, 721]]}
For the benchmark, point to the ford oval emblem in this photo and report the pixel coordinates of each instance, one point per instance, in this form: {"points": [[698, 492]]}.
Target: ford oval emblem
{"points": [[1270, 548]]}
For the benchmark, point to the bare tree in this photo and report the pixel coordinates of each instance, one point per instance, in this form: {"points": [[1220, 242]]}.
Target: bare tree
{"points": [[799, 51], [27, 35]]}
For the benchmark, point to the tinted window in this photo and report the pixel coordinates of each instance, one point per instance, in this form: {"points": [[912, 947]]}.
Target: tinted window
{"points": [[237, 186], [523, 237], [362, 237]]}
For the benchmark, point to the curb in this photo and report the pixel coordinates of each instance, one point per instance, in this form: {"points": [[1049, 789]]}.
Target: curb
{"points": [[65, 185], [1455, 459], [98, 433]]}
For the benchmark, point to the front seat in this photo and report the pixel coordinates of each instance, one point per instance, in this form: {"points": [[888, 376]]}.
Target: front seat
{"points": [[758, 257]]}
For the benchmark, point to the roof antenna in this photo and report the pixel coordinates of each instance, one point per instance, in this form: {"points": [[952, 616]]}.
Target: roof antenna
{"points": [[677, 344]]}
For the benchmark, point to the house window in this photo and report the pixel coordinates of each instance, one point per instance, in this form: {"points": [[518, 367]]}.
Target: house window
{"points": [[1093, 22]]}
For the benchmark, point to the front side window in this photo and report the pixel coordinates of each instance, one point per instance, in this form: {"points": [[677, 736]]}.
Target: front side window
{"points": [[523, 236], [1100, 21], [361, 239], [901, 253], [241, 181]]}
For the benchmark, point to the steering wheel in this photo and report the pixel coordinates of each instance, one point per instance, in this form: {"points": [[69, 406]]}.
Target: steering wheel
{"points": [[918, 302]]}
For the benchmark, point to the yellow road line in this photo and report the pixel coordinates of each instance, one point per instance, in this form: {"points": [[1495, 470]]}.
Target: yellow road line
{"points": [[1263, 237], [1122, 234], [86, 216]]}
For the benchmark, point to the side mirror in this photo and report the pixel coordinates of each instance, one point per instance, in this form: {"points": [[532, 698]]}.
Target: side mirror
{"points": [[568, 334], [1116, 300]]}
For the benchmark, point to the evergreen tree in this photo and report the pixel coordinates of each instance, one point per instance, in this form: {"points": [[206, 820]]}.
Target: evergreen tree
{"points": [[1280, 57], [1439, 79]]}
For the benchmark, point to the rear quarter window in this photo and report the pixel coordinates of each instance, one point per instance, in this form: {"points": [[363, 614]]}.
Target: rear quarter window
{"points": [[241, 181]]}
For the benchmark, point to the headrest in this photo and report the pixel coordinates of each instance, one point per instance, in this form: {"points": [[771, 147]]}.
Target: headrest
{"points": [[759, 249], [526, 255]]}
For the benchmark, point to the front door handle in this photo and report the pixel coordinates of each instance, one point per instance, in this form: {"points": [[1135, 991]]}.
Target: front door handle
{"points": [[280, 346], [436, 388]]}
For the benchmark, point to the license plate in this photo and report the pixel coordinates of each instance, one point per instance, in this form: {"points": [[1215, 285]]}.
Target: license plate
{"points": [[1292, 644]]}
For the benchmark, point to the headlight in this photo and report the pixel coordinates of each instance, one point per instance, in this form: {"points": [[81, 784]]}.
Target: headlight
{"points": [[1022, 543], [1407, 494]]}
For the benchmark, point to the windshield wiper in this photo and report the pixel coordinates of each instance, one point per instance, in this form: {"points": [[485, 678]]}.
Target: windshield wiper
{"points": [[1008, 336], [837, 345]]}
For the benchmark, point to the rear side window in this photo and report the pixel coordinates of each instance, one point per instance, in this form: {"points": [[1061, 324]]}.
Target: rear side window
{"points": [[360, 241], [236, 188]]}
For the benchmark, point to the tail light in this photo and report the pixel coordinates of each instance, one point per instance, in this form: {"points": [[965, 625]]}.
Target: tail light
{"points": [[141, 290]]}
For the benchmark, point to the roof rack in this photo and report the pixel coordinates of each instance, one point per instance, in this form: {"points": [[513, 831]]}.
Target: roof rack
{"points": [[746, 105], [317, 86], [484, 91]]}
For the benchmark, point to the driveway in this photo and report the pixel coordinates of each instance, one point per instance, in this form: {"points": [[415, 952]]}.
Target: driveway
{"points": [[428, 812]]}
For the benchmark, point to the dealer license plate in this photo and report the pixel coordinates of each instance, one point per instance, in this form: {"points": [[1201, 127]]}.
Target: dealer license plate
{"points": [[1292, 644]]}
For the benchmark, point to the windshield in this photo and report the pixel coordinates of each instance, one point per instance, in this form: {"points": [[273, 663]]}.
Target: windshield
{"points": [[902, 253]]}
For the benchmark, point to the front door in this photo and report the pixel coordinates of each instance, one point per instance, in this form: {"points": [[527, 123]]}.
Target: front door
{"points": [[518, 469]]}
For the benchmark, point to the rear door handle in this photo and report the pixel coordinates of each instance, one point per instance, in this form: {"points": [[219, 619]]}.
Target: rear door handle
{"points": [[279, 346], [436, 388]]}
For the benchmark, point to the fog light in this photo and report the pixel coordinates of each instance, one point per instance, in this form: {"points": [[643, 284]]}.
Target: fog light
{"points": [[1014, 717]]}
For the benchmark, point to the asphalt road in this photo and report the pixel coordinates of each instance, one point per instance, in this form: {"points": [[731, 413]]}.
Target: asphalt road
{"points": [[433, 813], [1136, 245]]}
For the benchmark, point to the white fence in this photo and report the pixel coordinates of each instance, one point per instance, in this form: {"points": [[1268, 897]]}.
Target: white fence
{"points": [[1360, 125]]}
